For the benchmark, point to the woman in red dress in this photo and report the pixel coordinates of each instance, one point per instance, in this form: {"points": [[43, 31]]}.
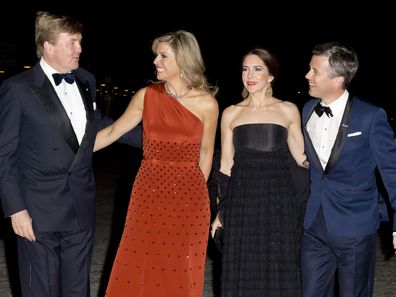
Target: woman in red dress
{"points": [[163, 248]]}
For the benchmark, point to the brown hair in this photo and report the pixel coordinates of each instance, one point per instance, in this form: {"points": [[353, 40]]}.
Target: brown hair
{"points": [[49, 26], [343, 59], [269, 60]]}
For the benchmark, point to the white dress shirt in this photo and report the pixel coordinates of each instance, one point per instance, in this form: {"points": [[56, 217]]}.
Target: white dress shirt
{"points": [[323, 130], [71, 100]]}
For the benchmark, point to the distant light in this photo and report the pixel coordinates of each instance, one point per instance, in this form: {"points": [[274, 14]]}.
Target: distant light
{"points": [[27, 67], [115, 88], [2, 71], [126, 90], [298, 92], [102, 85]]}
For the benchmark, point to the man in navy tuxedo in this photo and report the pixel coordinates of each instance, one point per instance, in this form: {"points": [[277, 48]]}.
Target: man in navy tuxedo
{"points": [[346, 139], [48, 125]]}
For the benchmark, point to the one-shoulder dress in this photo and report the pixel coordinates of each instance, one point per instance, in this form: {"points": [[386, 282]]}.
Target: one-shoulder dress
{"points": [[163, 247], [262, 218]]}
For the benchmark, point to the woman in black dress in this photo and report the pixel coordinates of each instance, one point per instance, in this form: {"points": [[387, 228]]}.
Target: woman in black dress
{"points": [[260, 209]]}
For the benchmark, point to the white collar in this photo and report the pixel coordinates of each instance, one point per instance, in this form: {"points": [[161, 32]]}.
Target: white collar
{"points": [[338, 105]]}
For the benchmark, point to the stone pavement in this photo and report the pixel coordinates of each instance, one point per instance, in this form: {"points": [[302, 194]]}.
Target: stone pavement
{"points": [[115, 169]]}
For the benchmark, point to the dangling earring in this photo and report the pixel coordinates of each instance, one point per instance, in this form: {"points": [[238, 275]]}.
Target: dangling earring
{"points": [[268, 92], [245, 93]]}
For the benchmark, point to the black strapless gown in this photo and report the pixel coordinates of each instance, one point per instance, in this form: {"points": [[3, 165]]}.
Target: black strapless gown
{"points": [[261, 214]]}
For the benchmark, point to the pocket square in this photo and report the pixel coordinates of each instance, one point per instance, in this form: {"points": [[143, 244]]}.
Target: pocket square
{"points": [[354, 134]]}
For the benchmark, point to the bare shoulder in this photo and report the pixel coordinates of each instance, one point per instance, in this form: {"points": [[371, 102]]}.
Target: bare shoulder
{"points": [[140, 93], [236, 108], [137, 100], [231, 109], [230, 112], [288, 106], [290, 111], [207, 102]]}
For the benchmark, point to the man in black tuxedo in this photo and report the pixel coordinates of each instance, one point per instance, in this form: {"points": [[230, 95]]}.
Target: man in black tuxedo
{"points": [[48, 125]]}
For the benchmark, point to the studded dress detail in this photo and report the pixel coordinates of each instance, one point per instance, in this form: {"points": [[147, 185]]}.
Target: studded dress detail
{"points": [[163, 247]]}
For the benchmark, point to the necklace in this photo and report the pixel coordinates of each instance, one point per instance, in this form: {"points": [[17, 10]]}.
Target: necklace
{"points": [[174, 95]]}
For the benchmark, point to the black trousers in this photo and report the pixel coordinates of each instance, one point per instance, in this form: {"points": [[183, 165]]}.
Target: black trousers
{"points": [[57, 264]]}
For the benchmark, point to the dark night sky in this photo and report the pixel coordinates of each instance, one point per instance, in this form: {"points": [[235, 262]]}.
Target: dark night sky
{"points": [[117, 39]]}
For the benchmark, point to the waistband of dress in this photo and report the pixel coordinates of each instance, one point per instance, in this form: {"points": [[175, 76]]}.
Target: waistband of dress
{"points": [[168, 162]]}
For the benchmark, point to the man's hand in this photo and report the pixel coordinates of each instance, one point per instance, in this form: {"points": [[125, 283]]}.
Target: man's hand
{"points": [[394, 241], [22, 225]]}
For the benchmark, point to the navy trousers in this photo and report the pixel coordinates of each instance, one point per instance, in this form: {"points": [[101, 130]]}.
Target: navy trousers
{"points": [[322, 255]]}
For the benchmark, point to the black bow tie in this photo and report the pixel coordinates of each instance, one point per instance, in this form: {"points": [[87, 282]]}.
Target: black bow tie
{"points": [[319, 109], [68, 77]]}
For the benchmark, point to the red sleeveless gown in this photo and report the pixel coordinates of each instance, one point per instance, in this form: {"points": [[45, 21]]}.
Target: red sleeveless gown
{"points": [[163, 247]]}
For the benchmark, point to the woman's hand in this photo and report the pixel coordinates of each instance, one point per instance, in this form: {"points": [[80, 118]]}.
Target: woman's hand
{"points": [[215, 225], [305, 164]]}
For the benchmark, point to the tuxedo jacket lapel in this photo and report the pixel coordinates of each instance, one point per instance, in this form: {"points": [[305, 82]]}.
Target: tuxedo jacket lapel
{"points": [[341, 136], [48, 98], [90, 114]]}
